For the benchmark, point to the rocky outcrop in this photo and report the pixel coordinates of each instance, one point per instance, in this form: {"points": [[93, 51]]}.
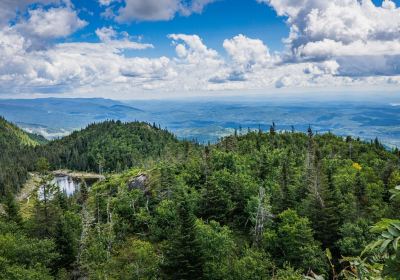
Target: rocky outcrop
{"points": [[139, 182]]}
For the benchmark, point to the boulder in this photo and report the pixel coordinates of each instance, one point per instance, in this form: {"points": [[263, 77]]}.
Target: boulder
{"points": [[139, 183]]}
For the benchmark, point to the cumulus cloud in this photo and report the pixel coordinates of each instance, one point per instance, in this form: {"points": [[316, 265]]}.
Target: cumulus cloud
{"points": [[50, 24], [73, 65], [27, 67], [246, 51], [343, 30], [9, 8], [154, 10], [336, 43]]}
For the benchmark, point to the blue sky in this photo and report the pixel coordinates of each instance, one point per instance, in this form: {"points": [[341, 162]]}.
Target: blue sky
{"points": [[136, 48], [220, 20]]}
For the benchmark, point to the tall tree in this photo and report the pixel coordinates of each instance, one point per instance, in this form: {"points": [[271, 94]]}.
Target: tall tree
{"points": [[12, 208], [183, 256], [326, 220]]}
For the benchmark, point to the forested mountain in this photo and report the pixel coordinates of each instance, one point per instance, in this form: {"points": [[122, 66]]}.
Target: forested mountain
{"points": [[110, 146], [256, 205], [16, 152], [113, 146]]}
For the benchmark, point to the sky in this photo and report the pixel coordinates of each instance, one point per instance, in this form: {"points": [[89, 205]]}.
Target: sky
{"points": [[127, 49]]}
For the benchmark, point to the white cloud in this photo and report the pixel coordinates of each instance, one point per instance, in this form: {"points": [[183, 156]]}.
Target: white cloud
{"points": [[154, 10], [106, 34], [330, 46], [74, 65], [246, 52], [88, 68], [343, 30], [9, 8], [106, 2], [52, 23]]}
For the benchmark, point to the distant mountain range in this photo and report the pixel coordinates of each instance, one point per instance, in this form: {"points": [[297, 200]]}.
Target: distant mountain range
{"points": [[209, 120]]}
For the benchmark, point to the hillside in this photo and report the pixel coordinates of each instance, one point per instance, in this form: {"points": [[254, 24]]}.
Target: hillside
{"points": [[16, 148], [11, 133], [113, 146], [255, 205]]}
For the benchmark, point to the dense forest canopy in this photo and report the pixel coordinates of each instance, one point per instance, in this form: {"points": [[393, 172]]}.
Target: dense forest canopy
{"points": [[255, 205], [112, 146], [16, 155]]}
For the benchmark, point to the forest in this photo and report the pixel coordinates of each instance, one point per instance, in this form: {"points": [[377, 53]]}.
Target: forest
{"points": [[281, 205]]}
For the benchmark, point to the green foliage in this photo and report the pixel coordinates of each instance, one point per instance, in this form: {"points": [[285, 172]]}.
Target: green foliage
{"points": [[253, 206], [135, 260], [12, 209], [253, 264], [354, 237], [292, 240], [112, 146], [288, 273], [183, 258], [16, 157], [217, 248], [22, 257]]}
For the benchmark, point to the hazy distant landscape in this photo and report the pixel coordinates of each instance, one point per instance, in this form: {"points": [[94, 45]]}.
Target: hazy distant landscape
{"points": [[199, 139], [210, 120]]}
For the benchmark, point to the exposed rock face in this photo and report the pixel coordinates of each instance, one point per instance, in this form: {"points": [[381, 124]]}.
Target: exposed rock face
{"points": [[140, 183]]}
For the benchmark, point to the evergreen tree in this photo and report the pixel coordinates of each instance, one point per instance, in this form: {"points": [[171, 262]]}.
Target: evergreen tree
{"points": [[65, 243], [286, 201], [272, 129], [183, 257], [327, 217], [360, 192], [215, 203], [12, 209]]}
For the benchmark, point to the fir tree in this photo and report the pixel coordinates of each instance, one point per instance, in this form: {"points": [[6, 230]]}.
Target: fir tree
{"points": [[183, 257], [360, 192], [65, 242], [327, 220], [12, 209]]}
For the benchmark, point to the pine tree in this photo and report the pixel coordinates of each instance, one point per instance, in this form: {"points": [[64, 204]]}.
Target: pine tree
{"points": [[183, 257]]}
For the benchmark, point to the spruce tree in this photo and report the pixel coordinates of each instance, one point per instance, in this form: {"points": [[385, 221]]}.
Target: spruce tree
{"points": [[183, 256], [215, 203], [286, 201], [328, 216], [65, 242], [360, 192], [12, 209]]}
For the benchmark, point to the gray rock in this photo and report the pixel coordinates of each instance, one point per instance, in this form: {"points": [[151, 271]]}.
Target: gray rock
{"points": [[139, 183]]}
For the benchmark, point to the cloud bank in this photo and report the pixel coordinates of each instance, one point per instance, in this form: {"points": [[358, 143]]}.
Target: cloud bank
{"points": [[332, 44], [348, 31]]}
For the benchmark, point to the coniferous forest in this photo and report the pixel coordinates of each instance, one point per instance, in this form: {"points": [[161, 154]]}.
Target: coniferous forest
{"points": [[255, 205]]}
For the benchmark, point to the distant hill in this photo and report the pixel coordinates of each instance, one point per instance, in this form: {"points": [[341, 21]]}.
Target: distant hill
{"points": [[210, 119], [113, 146], [57, 117], [37, 138]]}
